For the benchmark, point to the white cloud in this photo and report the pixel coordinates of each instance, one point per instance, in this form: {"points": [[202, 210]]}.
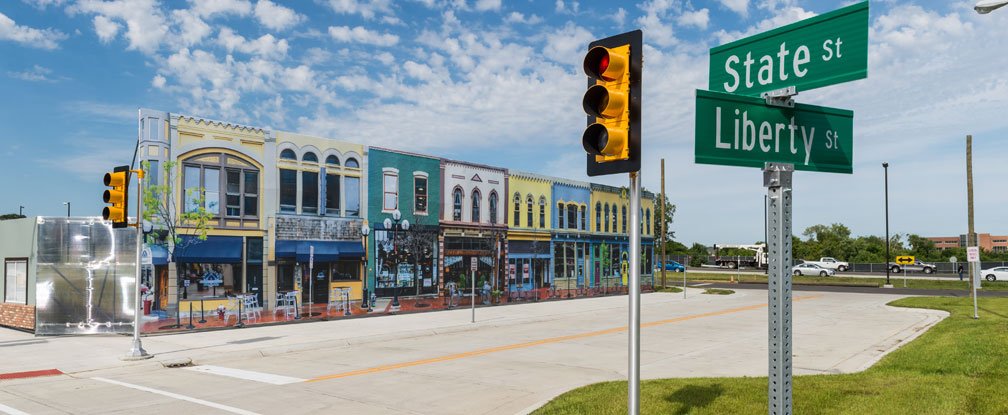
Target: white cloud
{"points": [[564, 8], [211, 8], [145, 22], [738, 6], [42, 4], [36, 74], [484, 5], [276, 17], [620, 17], [367, 9], [192, 28], [361, 35], [654, 22], [517, 17], [29, 36], [266, 45], [105, 28], [699, 18], [567, 44], [158, 82]]}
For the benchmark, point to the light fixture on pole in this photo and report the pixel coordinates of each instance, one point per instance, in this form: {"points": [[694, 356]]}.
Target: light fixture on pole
{"points": [[396, 223], [365, 230], [21, 211], [68, 208], [987, 6]]}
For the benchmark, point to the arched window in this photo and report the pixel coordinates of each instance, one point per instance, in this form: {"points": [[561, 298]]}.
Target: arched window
{"points": [[647, 219], [332, 160], [352, 163], [310, 157], [457, 204], [288, 154], [542, 212], [584, 219], [606, 217], [493, 207], [598, 217], [572, 216], [528, 210], [517, 211], [475, 206], [560, 216], [614, 228], [624, 219]]}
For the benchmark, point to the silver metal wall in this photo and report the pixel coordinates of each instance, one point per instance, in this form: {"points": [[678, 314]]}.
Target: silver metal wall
{"points": [[84, 277]]}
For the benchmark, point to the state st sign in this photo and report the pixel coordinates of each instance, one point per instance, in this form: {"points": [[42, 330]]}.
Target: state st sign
{"points": [[824, 50], [736, 130]]}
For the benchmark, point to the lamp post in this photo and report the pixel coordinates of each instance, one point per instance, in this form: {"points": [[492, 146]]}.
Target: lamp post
{"points": [[987, 6], [885, 168], [395, 224], [21, 211], [68, 208], [365, 230]]}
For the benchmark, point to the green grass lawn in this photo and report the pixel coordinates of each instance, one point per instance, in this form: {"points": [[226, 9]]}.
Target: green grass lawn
{"points": [[718, 291], [960, 366], [841, 280]]}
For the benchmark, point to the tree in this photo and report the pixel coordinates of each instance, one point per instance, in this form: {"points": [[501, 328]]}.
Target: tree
{"points": [[669, 213], [11, 216], [923, 248], [698, 255], [160, 209]]}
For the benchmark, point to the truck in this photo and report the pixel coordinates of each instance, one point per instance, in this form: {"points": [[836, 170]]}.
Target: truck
{"points": [[830, 263], [757, 260]]}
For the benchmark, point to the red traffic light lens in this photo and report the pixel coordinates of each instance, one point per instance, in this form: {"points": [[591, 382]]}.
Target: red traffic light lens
{"points": [[603, 64]]}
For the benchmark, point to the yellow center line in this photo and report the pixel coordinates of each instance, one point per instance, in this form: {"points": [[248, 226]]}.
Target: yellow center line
{"points": [[480, 352]]}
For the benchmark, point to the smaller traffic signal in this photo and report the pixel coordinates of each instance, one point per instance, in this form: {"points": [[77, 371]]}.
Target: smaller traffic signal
{"points": [[117, 197]]}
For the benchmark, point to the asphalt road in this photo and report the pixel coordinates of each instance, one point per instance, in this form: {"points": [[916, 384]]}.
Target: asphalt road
{"points": [[514, 359]]}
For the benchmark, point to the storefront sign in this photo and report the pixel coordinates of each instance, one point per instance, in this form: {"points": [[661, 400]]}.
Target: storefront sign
{"points": [[511, 271], [525, 268], [326, 229]]}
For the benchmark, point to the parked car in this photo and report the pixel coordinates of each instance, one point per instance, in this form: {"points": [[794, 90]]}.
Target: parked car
{"points": [[831, 263], [916, 266], [996, 273], [674, 266], [806, 268]]}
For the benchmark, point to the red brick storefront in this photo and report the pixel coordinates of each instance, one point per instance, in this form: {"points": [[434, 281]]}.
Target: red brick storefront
{"points": [[17, 315]]}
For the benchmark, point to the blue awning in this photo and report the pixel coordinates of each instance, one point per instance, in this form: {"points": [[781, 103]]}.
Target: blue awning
{"points": [[214, 250], [159, 254], [325, 251]]}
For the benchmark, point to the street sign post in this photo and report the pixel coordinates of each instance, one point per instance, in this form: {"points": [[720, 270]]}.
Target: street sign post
{"points": [[734, 130], [472, 295], [824, 50]]}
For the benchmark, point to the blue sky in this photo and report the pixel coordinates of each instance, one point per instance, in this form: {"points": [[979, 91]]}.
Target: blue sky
{"points": [[500, 83]]}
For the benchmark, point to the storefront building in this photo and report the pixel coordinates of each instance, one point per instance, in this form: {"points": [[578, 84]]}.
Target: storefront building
{"points": [[609, 238], [224, 170], [320, 209], [473, 229], [529, 220], [403, 261], [571, 247]]}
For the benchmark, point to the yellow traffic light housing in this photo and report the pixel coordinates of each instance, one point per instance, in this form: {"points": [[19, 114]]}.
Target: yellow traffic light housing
{"points": [[612, 102], [117, 197]]}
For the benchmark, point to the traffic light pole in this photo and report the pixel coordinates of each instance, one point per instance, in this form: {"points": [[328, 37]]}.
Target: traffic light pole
{"points": [[777, 180], [137, 351], [633, 393]]}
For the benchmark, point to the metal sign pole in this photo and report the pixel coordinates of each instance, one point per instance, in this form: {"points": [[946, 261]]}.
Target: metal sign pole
{"points": [[311, 279], [777, 180], [684, 277], [976, 276], [137, 351], [472, 295], [633, 394]]}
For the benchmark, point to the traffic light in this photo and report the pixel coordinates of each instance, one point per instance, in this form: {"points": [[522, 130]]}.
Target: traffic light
{"points": [[613, 103], [117, 197]]}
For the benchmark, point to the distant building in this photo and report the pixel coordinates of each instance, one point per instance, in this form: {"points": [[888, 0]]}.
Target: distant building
{"points": [[988, 242]]}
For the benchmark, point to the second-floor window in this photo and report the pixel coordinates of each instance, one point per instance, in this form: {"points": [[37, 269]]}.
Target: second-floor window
{"points": [[309, 192], [288, 190], [572, 216], [606, 217], [528, 210], [492, 204], [624, 219], [390, 191], [242, 192], [419, 194], [560, 216], [517, 211], [475, 205], [332, 194], [598, 217], [584, 226], [457, 205], [542, 212]]}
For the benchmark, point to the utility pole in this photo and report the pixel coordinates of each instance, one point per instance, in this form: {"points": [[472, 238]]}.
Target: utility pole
{"points": [[661, 225], [971, 235]]}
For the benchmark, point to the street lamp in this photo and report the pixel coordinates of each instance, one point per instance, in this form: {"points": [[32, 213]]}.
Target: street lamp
{"points": [[68, 208], [21, 211], [885, 168], [365, 230], [395, 224], [987, 6]]}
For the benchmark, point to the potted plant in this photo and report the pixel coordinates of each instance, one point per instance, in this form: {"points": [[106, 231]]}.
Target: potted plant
{"points": [[496, 295]]}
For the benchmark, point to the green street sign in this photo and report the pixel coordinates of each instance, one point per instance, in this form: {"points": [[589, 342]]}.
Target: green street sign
{"points": [[824, 50], [735, 130]]}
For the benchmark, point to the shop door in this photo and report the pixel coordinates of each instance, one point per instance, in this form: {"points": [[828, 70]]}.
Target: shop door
{"points": [[254, 280]]}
